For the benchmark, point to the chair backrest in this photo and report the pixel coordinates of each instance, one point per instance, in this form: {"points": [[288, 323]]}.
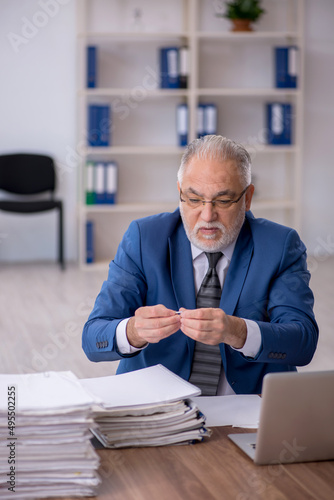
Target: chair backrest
{"points": [[24, 173]]}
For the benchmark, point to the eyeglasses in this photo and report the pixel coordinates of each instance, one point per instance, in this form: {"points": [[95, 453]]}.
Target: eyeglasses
{"points": [[194, 202]]}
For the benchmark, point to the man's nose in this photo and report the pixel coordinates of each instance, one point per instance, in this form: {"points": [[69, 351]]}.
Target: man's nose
{"points": [[209, 212]]}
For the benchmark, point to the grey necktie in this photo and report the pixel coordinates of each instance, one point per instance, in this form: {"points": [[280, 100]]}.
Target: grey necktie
{"points": [[206, 367]]}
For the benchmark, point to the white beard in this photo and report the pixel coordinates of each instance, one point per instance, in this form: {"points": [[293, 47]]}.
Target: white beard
{"points": [[227, 236]]}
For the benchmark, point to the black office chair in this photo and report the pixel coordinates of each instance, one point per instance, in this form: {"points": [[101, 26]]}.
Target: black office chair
{"points": [[26, 175]]}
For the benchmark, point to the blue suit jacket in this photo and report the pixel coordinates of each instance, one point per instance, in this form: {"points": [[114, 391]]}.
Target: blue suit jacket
{"points": [[267, 281]]}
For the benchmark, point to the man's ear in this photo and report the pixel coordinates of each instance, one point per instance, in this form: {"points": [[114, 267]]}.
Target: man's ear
{"points": [[178, 186], [249, 196]]}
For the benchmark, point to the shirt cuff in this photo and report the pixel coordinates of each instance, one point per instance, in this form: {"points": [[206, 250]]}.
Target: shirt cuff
{"points": [[253, 341], [122, 340]]}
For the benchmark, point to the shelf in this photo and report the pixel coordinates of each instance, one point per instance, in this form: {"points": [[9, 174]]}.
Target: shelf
{"points": [[264, 148], [134, 150], [246, 36], [143, 36], [131, 208], [248, 92], [261, 92], [105, 92], [174, 150]]}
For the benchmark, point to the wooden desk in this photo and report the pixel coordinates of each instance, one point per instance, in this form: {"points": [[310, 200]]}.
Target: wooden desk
{"points": [[213, 469]]}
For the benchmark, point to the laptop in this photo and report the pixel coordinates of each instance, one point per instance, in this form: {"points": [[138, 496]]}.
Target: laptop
{"points": [[296, 419]]}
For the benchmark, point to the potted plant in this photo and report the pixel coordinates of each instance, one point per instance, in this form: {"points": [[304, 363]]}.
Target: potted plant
{"points": [[242, 13]]}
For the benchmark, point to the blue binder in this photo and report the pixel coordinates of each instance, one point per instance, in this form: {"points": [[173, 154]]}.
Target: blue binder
{"points": [[182, 124], [286, 67], [111, 176], [99, 125], [210, 119], [91, 67], [89, 241], [183, 67], [279, 117], [100, 183], [169, 68], [200, 126], [104, 125], [93, 134]]}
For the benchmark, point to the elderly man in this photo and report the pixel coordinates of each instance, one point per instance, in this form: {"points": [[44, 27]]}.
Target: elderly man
{"points": [[209, 291]]}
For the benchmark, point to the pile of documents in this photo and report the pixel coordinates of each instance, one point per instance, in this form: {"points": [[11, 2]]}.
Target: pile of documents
{"points": [[45, 438], [147, 407]]}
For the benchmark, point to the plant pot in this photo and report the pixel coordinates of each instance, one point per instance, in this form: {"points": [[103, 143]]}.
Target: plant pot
{"points": [[241, 25]]}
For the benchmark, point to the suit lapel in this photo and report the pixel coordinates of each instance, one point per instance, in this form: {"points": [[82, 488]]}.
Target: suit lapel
{"points": [[182, 274], [237, 271]]}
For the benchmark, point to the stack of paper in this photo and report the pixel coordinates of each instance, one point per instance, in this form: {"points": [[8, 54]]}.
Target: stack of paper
{"points": [[45, 447], [148, 407]]}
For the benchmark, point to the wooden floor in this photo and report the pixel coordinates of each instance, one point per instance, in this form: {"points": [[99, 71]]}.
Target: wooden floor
{"points": [[43, 310]]}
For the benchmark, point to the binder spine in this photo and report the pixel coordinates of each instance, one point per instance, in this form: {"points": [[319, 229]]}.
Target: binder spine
{"points": [[91, 67], [286, 67], [210, 119], [99, 125], [100, 183], [111, 182], [169, 68], [279, 118], [104, 125], [182, 124], [90, 194], [200, 121], [89, 241], [93, 131], [183, 67]]}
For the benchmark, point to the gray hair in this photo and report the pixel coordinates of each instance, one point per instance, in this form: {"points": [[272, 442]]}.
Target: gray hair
{"points": [[217, 147]]}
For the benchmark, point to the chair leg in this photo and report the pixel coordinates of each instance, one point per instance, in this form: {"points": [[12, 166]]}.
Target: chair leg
{"points": [[61, 239]]}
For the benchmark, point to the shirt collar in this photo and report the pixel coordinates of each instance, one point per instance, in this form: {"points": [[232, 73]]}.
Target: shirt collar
{"points": [[228, 251]]}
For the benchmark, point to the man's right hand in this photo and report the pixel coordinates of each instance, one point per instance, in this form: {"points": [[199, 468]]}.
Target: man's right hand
{"points": [[151, 324]]}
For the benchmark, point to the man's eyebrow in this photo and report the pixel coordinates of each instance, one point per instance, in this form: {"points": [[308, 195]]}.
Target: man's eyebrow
{"points": [[225, 192]]}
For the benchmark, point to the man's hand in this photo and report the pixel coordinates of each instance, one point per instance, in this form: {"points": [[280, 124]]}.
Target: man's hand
{"points": [[212, 326], [151, 324]]}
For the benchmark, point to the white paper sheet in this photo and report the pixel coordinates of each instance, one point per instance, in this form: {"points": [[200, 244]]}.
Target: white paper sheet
{"points": [[48, 391], [152, 385], [238, 411]]}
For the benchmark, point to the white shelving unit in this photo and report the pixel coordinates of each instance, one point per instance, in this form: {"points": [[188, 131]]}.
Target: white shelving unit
{"points": [[233, 70]]}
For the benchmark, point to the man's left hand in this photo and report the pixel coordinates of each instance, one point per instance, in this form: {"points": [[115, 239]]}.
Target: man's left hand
{"points": [[213, 326]]}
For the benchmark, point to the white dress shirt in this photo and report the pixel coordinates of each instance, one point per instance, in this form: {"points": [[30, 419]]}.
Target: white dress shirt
{"points": [[200, 266]]}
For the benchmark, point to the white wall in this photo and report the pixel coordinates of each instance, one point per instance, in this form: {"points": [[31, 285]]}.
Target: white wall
{"points": [[38, 113], [37, 102], [318, 195]]}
